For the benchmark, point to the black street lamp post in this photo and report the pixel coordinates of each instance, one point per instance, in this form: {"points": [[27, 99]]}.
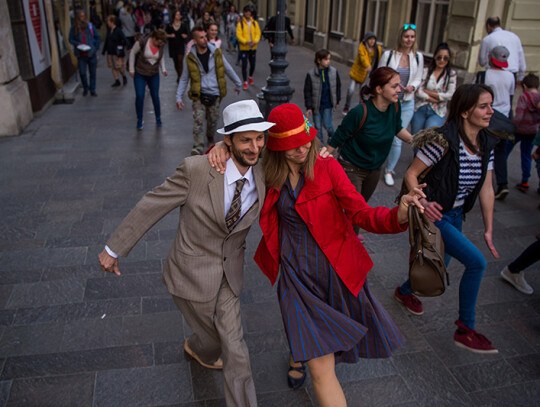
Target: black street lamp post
{"points": [[277, 90]]}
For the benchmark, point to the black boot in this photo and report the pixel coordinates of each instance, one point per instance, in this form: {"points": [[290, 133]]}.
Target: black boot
{"points": [[125, 80], [115, 84]]}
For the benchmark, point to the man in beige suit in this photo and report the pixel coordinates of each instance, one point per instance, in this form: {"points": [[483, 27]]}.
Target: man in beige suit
{"points": [[204, 269]]}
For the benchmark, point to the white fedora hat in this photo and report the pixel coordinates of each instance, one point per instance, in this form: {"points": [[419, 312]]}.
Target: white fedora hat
{"points": [[243, 116]]}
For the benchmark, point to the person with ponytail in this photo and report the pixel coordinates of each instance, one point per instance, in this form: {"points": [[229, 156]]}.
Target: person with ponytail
{"points": [[364, 144]]}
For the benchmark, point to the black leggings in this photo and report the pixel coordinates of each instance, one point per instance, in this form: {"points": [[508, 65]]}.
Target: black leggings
{"points": [[245, 56], [529, 256], [178, 64]]}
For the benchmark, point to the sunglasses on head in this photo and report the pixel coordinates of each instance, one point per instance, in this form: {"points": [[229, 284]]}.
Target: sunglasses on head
{"points": [[407, 26], [442, 58]]}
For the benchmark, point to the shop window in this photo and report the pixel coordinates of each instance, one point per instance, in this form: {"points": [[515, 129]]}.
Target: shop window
{"points": [[431, 17]]}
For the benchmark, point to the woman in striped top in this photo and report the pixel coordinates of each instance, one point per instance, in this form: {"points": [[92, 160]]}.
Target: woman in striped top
{"points": [[461, 154], [328, 312]]}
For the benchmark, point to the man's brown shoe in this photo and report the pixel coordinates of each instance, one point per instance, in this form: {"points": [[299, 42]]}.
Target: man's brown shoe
{"points": [[217, 365]]}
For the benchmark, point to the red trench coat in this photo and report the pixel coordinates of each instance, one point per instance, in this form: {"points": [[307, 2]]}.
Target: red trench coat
{"points": [[326, 204]]}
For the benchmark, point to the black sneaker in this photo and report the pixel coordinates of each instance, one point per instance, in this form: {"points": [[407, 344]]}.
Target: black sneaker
{"points": [[115, 84], [502, 191]]}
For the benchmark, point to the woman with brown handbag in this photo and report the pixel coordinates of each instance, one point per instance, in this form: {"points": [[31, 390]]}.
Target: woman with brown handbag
{"points": [[457, 178]]}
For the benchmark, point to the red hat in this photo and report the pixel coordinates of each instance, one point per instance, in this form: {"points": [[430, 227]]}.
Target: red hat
{"points": [[292, 128]]}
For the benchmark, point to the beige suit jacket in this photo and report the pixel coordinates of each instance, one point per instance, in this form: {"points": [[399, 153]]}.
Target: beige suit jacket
{"points": [[203, 248]]}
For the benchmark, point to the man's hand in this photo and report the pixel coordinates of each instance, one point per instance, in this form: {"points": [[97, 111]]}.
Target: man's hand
{"points": [[180, 105], [165, 73], [108, 263], [237, 90], [309, 112], [132, 74]]}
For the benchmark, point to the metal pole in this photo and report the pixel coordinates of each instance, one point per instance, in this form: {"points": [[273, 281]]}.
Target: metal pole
{"points": [[277, 90]]}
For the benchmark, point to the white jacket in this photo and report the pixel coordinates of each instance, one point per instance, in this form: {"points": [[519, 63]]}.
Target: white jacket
{"points": [[416, 68]]}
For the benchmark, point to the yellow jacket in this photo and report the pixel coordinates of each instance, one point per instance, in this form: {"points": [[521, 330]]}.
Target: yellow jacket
{"points": [[364, 58], [242, 33]]}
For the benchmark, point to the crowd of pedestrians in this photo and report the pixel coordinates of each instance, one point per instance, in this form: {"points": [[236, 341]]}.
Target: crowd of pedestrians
{"points": [[315, 251]]}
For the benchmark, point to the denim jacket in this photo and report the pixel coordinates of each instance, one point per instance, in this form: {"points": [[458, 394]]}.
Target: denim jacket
{"points": [[92, 38]]}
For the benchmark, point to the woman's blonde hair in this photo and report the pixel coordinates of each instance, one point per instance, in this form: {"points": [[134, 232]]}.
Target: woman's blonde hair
{"points": [[402, 31], [276, 169]]}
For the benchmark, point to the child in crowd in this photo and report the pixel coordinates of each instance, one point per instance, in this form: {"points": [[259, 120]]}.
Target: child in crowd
{"points": [[527, 121], [367, 59], [322, 93]]}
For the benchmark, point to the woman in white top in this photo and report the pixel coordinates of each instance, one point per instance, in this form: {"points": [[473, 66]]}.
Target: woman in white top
{"points": [[438, 86], [144, 62], [409, 64]]}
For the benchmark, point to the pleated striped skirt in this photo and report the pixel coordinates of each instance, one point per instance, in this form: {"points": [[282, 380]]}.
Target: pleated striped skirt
{"points": [[320, 315]]}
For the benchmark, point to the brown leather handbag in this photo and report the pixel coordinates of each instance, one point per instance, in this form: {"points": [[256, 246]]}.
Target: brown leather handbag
{"points": [[427, 271]]}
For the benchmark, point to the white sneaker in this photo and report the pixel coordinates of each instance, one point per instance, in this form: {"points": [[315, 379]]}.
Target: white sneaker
{"points": [[517, 280], [388, 179]]}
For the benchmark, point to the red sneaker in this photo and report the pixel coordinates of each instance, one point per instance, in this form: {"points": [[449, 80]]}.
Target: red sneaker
{"points": [[471, 340], [245, 86], [250, 79], [411, 302], [523, 186]]}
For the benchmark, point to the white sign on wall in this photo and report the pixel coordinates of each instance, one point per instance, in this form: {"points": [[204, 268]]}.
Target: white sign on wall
{"points": [[38, 38]]}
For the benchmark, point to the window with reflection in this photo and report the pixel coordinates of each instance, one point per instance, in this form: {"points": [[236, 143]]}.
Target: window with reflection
{"points": [[431, 19], [375, 16]]}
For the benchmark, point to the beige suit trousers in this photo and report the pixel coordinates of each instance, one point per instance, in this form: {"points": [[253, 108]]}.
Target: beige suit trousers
{"points": [[217, 330]]}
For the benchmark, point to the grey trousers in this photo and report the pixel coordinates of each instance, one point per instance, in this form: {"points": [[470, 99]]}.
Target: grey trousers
{"points": [[217, 330]]}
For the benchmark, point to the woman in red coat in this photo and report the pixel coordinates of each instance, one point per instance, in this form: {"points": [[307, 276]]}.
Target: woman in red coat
{"points": [[328, 311]]}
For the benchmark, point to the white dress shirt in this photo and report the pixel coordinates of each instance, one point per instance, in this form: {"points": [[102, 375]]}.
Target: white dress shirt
{"points": [[516, 59], [248, 195]]}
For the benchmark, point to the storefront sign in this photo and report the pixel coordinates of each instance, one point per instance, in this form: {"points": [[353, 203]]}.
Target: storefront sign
{"points": [[38, 39]]}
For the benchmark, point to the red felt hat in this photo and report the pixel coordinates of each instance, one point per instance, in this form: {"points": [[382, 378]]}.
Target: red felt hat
{"points": [[292, 128]]}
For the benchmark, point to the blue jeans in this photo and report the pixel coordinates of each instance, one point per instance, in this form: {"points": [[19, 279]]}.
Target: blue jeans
{"points": [[526, 151], [425, 117], [90, 64], [458, 246], [140, 82], [323, 118], [407, 111]]}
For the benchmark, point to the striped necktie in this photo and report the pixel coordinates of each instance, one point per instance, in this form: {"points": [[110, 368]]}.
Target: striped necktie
{"points": [[236, 205]]}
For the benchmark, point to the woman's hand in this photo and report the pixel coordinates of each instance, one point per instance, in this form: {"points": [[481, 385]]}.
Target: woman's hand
{"points": [[488, 237], [433, 210], [412, 198], [325, 152], [218, 156]]}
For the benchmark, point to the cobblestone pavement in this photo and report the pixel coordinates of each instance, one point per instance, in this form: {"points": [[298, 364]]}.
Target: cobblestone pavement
{"points": [[72, 336]]}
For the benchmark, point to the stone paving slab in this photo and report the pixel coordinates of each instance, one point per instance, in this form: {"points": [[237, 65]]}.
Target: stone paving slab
{"points": [[72, 335]]}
